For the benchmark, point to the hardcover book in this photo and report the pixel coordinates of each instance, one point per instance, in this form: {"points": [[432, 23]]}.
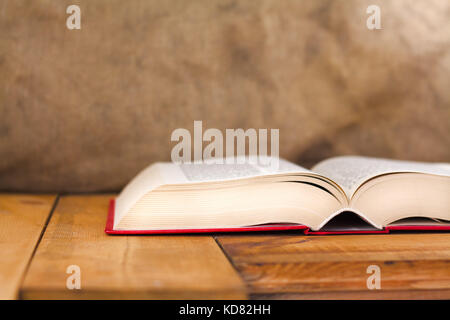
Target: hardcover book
{"points": [[347, 194]]}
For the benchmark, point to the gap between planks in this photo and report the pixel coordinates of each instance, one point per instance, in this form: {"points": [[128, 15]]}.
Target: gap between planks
{"points": [[22, 220], [122, 267]]}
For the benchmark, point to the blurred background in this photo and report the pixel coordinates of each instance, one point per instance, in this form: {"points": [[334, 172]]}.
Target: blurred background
{"points": [[86, 110]]}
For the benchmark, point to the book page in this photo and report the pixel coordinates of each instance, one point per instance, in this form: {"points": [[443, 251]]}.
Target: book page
{"points": [[352, 171], [164, 173], [202, 172]]}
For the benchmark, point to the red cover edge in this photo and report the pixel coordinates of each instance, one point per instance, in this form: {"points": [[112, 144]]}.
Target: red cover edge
{"points": [[419, 228], [109, 229]]}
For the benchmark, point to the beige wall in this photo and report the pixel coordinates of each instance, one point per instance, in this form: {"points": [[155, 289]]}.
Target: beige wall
{"points": [[86, 110]]}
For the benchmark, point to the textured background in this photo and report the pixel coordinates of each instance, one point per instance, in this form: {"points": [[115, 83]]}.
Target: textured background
{"points": [[86, 110]]}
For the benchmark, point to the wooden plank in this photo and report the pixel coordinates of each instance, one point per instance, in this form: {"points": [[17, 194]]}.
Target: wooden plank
{"points": [[358, 295], [22, 219], [134, 267], [330, 267]]}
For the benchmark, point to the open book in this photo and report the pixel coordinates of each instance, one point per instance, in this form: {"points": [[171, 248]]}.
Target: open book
{"points": [[338, 195]]}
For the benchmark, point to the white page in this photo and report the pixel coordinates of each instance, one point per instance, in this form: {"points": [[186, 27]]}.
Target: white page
{"points": [[239, 169], [351, 171]]}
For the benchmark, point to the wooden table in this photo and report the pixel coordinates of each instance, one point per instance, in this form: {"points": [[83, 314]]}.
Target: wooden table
{"points": [[42, 235]]}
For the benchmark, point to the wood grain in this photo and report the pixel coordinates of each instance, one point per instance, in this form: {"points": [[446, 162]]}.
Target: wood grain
{"points": [[413, 266], [125, 267], [22, 219]]}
